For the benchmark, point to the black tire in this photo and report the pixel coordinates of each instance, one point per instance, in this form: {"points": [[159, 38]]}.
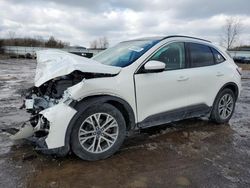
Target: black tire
{"points": [[76, 146], [215, 115]]}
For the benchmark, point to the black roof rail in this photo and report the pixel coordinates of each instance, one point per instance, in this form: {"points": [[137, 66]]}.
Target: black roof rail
{"points": [[170, 36]]}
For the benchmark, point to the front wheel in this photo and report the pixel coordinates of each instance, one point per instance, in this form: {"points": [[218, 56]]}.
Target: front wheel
{"points": [[223, 107], [98, 133]]}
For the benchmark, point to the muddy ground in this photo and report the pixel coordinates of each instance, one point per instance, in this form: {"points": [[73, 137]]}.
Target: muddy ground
{"points": [[190, 153]]}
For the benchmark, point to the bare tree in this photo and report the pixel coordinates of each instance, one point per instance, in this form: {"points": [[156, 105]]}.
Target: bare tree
{"points": [[40, 39], [231, 31], [51, 42], [93, 44], [105, 42], [12, 34], [54, 43], [101, 42], [12, 37]]}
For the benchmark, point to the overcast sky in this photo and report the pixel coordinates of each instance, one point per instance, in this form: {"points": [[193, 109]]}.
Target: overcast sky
{"points": [[81, 21]]}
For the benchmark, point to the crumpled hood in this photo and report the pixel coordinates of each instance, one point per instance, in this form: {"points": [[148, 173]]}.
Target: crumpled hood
{"points": [[55, 63]]}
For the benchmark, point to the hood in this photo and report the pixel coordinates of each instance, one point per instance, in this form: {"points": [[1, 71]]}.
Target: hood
{"points": [[56, 63]]}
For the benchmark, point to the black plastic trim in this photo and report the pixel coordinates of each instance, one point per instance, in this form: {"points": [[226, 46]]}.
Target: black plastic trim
{"points": [[175, 115], [172, 36], [43, 148], [160, 38]]}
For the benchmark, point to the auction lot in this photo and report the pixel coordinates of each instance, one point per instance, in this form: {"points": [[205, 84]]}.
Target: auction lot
{"points": [[190, 153]]}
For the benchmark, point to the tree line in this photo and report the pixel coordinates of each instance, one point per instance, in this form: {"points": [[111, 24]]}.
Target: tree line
{"points": [[100, 43], [52, 42]]}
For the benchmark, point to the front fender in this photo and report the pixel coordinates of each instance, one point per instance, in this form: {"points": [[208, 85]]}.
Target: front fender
{"points": [[81, 106]]}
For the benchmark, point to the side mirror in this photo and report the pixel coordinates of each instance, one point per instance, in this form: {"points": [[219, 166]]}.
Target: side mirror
{"points": [[154, 66]]}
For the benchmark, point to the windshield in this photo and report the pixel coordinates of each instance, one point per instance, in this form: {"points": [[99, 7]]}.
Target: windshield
{"points": [[124, 53]]}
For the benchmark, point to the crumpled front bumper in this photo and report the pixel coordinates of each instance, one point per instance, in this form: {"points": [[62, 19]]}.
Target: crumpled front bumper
{"points": [[58, 117]]}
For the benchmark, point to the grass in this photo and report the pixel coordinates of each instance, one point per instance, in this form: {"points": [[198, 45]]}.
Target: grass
{"points": [[3, 56]]}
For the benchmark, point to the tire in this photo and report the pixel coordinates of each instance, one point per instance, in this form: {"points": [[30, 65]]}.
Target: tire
{"points": [[28, 56], [219, 114], [90, 140]]}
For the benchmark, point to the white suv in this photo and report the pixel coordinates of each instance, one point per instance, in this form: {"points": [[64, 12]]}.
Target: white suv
{"points": [[88, 105]]}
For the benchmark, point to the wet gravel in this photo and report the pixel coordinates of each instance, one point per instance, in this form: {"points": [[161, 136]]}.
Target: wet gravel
{"points": [[190, 153]]}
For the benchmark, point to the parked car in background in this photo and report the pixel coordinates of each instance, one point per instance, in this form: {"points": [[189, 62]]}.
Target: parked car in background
{"points": [[89, 105], [247, 60], [239, 59]]}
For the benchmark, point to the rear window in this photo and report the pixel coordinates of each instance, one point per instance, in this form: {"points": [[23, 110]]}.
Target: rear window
{"points": [[200, 55]]}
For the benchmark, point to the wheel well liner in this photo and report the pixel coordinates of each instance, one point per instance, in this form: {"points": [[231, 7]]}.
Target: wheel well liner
{"points": [[87, 102], [231, 86]]}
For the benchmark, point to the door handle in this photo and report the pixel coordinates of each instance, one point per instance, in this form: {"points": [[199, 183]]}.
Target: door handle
{"points": [[182, 78], [219, 74]]}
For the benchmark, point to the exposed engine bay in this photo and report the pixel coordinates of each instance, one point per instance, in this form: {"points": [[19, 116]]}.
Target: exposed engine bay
{"points": [[50, 94], [45, 96]]}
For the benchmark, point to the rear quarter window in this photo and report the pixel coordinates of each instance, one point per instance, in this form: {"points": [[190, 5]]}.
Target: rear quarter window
{"points": [[218, 58]]}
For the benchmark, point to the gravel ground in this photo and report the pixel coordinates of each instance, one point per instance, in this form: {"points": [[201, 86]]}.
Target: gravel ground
{"points": [[190, 153]]}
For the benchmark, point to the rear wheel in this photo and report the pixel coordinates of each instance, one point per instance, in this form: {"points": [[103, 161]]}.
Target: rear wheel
{"points": [[223, 107], [98, 133]]}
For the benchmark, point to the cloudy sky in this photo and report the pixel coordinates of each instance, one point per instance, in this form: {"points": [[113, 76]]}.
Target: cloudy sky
{"points": [[81, 21]]}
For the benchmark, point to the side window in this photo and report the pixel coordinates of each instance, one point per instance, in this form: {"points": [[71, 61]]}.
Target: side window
{"points": [[218, 58], [173, 55], [200, 55]]}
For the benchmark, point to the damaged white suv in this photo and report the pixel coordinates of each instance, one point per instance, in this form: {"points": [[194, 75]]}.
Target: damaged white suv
{"points": [[87, 106]]}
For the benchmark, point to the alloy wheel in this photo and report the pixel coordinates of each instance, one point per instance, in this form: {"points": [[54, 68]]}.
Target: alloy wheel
{"points": [[98, 132], [226, 105]]}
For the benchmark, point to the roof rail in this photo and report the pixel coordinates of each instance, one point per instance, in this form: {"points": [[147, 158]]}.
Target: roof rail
{"points": [[170, 36]]}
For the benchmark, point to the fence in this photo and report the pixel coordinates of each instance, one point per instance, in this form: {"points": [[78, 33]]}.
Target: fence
{"points": [[30, 52]]}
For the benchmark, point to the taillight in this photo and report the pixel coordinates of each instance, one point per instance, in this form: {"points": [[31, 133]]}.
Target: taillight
{"points": [[239, 70]]}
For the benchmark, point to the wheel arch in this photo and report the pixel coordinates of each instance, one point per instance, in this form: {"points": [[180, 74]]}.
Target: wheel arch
{"points": [[230, 85], [214, 114], [87, 102]]}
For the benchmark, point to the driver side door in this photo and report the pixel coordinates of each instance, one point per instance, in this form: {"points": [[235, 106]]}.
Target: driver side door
{"points": [[160, 95]]}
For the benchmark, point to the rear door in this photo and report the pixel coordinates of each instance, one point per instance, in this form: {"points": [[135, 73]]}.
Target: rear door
{"points": [[204, 72]]}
